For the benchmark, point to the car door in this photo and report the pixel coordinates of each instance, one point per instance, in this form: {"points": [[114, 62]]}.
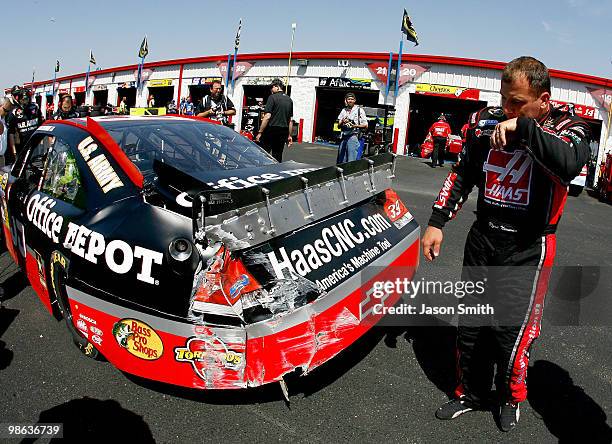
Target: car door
{"points": [[48, 194], [23, 181]]}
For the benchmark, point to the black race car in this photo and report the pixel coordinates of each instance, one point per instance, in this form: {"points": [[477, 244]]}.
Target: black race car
{"points": [[182, 252]]}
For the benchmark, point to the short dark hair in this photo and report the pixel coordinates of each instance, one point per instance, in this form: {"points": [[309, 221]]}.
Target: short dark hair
{"points": [[277, 82], [534, 71]]}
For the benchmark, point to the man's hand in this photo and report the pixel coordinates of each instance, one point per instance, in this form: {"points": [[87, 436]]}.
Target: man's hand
{"points": [[503, 133], [431, 243], [258, 137], [289, 141]]}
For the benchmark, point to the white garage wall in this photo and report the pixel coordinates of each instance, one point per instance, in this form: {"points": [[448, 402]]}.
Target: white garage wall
{"points": [[304, 80]]}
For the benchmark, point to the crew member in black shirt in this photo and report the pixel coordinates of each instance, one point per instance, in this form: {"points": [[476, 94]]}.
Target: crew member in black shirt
{"points": [[66, 109], [276, 125], [216, 106], [21, 122]]}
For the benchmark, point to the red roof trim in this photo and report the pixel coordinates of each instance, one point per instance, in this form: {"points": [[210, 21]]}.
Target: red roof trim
{"points": [[131, 170], [370, 56]]}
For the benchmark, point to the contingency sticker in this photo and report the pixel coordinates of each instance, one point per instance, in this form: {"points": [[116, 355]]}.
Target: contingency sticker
{"points": [[99, 165], [138, 339]]}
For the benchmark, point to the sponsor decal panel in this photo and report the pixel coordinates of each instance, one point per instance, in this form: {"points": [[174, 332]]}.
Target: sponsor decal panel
{"points": [[238, 183], [185, 198], [138, 339], [91, 245], [508, 178], [448, 91], [483, 132], [41, 269], [333, 250], [209, 355], [96, 339], [496, 112], [487, 122], [342, 82], [81, 325], [99, 165]]}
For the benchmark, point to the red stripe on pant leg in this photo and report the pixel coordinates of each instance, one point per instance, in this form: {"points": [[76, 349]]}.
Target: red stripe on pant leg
{"points": [[460, 389], [517, 386]]}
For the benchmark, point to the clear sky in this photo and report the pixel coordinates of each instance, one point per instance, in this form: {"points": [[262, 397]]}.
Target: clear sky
{"points": [[572, 35]]}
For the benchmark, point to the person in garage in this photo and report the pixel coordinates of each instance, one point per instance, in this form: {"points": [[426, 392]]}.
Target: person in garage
{"points": [[66, 109], [277, 123], [352, 121], [521, 156], [216, 106], [439, 131]]}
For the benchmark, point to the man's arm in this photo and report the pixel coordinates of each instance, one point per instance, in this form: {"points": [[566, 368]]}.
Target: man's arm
{"points": [[455, 190], [262, 127], [11, 144], [363, 119], [230, 108], [289, 138], [561, 155], [10, 126], [205, 113]]}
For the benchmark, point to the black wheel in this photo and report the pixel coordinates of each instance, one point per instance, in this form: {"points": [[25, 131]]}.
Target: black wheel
{"points": [[59, 264]]}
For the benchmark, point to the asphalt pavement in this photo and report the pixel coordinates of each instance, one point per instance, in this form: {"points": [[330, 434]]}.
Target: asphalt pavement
{"points": [[384, 388]]}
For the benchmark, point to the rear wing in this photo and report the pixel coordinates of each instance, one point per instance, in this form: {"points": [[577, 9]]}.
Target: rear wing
{"points": [[247, 217]]}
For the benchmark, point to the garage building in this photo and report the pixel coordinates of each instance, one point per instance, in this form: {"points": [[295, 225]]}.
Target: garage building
{"points": [[429, 86]]}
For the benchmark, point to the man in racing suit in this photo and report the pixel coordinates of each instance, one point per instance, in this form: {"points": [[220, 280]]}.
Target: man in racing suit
{"points": [[439, 131], [521, 157]]}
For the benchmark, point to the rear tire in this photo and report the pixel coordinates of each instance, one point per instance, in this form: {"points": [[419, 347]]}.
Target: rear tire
{"points": [[59, 263]]}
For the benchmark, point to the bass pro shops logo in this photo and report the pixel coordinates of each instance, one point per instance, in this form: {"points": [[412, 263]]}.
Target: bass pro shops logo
{"points": [[508, 178], [138, 339]]}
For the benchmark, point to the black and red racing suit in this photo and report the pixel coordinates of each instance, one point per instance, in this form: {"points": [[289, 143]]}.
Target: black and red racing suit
{"points": [[521, 194]]}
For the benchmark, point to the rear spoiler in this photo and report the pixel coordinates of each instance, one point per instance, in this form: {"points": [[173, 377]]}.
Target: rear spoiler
{"points": [[247, 217]]}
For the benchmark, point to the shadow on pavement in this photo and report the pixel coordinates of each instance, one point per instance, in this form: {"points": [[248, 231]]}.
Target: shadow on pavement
{"points": [[12, 281], [567, 411], [434, 348], [94, 420], [316, 380], [7, 316]]}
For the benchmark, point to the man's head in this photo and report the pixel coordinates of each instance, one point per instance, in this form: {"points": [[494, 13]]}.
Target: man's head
{"points": [[350, 99], [66, 102], [21, 96], [6, 106], [525, 88], [277, 85], [442, 118], [215, 89]]}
